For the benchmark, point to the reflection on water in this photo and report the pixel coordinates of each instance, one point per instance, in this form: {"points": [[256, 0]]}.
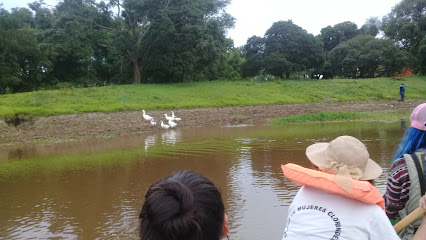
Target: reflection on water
{"points": [[150, 141], [95, 189], [403, 124], [254, 186], [171, 137]]}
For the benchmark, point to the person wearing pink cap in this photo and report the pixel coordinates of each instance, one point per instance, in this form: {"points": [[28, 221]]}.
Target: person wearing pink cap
{"points": [[407, 177]]}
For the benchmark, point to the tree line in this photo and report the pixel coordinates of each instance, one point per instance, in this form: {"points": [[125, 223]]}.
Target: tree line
{"points": [[87, 42]]}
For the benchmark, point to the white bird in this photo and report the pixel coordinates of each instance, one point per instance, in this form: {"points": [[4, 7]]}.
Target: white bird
{"points": [[172, 124], [175, 118], [153, 123], [145, 116], [164, 126], [167, 117]]}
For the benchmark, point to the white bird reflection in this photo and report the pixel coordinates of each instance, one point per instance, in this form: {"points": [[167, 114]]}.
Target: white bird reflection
{"points": [[150, 141], [171, 137]]}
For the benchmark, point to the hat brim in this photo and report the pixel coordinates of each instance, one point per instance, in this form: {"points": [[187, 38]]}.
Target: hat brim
{"points": [[316, 154], [372, 170]]}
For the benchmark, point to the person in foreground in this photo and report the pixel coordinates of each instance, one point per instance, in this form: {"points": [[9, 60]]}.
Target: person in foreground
{"points": [[183, 206], [407, 176], [338, 200]]}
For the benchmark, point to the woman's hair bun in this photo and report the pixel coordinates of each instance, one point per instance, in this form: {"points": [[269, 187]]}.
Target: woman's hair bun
{"points": [[184, 206], [171, 199]]}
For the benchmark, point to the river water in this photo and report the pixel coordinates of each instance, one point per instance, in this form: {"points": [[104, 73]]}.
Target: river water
{"points": [[94, 189]]}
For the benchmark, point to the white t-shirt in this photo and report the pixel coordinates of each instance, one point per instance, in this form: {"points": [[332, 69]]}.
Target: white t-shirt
{"points": [[316, 214]]}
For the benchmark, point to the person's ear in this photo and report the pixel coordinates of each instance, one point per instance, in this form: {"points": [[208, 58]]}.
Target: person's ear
{"points": [[225, 226]]}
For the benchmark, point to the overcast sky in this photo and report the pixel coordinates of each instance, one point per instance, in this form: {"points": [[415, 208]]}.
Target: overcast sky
{"points": [[254, 17]]}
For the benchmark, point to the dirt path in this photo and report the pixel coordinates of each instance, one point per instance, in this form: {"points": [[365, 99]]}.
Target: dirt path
{"points": [[77, 127]]}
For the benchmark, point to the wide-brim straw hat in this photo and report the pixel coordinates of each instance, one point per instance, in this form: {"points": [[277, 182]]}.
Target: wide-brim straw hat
{"points": [[344, 156]]}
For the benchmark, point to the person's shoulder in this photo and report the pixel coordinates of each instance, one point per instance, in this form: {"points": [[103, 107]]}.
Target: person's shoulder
{"points": [[397, 166], [380, 226], [400, 162]]}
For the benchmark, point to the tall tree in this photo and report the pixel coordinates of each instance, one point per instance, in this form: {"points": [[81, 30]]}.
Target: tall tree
{"points": [[43, 18], [192, 40], [422, 56], [234, 63], [139, 29], [22, 64], [292, 46], [166, 38], [366, 56], [72, 41], [406, 24], [371, 26], [253, 52], [333, 36]]}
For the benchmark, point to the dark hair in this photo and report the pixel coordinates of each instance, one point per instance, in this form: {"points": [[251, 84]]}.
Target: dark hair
{"points": [[184, 206]]}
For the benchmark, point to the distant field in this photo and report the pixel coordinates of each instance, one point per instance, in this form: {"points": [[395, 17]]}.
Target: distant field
{"points": [[205, 94]]}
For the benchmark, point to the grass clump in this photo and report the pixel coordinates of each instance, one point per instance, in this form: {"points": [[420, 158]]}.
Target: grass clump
{"points": [[338, 116]]}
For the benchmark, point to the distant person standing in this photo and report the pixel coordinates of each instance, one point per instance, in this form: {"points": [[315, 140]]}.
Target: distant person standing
{"points": [[402, 92]]}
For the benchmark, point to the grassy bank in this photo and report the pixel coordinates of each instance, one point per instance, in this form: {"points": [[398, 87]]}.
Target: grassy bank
{"points": [[204, 94], [339, 116]]}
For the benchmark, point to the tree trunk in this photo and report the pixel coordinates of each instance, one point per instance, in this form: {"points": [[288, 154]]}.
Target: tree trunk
{"points": [[287, 75], [183, 77], [136, 73]]}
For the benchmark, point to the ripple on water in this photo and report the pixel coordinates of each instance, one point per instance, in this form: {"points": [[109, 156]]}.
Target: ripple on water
{"points": [[103, 202]]}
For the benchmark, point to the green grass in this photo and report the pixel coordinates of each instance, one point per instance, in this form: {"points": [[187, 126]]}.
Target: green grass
{"points": [[338, 116], [204, 94]]}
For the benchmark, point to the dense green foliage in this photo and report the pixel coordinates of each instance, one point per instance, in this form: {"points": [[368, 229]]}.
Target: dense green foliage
{"points": [[204, 94], [80, 43], [83, 43], [285, 49], [406, 25], [349, 52], [23, 64], [293, 47], [367, 57], [371, 27], [333, 36]]}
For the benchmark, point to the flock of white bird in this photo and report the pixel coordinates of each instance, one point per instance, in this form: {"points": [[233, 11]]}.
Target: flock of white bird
{"points": [[171, 120]]}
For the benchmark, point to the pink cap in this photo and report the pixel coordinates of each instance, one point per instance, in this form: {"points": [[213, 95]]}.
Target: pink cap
{"points": [[418, 117]]}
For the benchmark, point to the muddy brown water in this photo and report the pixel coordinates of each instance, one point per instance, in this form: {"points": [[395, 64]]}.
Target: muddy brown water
{"points": [[94, 189]]}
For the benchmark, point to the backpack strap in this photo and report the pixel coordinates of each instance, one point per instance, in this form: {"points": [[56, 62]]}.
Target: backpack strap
{"points": [[420, 170]]}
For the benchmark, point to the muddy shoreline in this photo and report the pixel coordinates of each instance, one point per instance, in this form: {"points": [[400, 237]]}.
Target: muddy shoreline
{"points": [[78, 127]]}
